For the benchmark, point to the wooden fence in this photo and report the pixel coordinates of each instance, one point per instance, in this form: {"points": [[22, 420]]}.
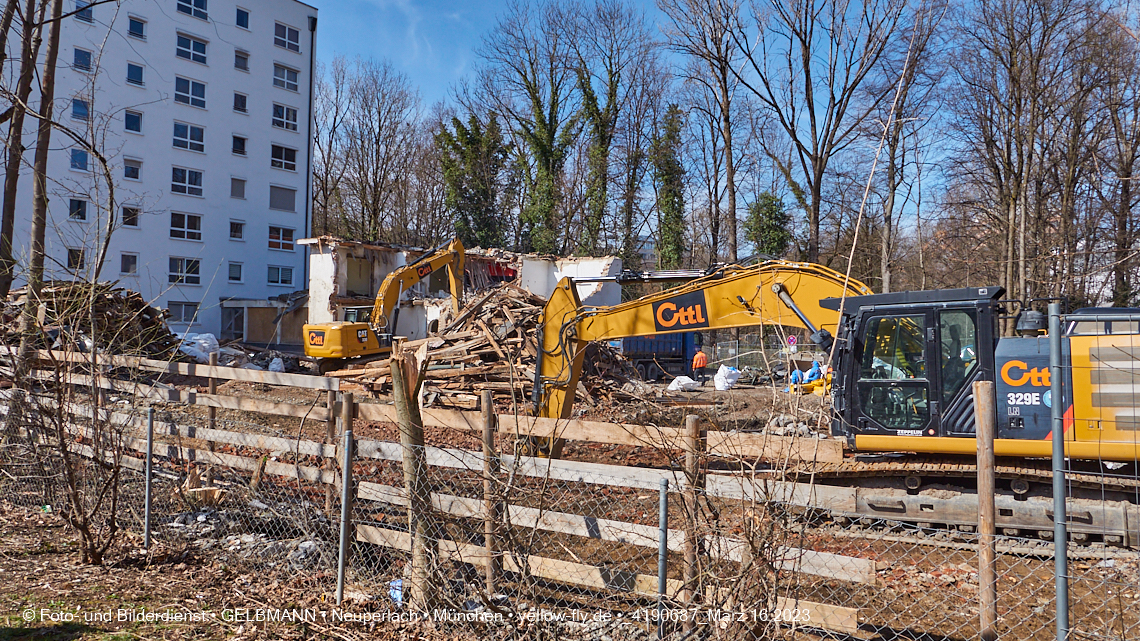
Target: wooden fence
{"points": [[193, 443]]}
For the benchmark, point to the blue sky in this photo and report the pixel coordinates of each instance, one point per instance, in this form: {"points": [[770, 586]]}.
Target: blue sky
{"points": [[432, 41]]}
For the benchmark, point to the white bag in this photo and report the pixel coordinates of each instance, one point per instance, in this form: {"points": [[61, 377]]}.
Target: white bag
{"points": [[277, 365], [725, 378], [199, 346], [683, 384]]}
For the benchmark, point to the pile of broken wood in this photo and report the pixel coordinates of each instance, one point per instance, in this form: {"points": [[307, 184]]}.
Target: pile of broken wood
{"points": [[86, 316], [493, 345]]}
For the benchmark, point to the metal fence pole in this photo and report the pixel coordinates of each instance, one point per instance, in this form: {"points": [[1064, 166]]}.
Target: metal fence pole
{"points": [[345, 494], [149, 476], [1060, 533], [662, 555]]}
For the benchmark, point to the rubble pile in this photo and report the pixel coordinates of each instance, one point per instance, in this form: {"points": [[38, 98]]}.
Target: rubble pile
{"points": [[86, 316], [493, 345]]}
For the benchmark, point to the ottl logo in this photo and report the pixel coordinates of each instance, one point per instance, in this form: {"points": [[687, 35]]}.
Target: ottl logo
{"points": [[687, 311], [316, 338]]}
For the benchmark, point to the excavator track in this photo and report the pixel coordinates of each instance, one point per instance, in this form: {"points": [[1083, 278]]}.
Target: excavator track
{"points": [[949, 468], [939, 493]]}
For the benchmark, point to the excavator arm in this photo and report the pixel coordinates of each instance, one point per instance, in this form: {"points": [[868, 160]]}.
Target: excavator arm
{"points": [[770, 293], [400, 280]]}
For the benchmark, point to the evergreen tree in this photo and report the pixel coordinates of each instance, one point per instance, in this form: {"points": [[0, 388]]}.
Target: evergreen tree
{"points": [[669, 175], [473, 157], [767, 225]]}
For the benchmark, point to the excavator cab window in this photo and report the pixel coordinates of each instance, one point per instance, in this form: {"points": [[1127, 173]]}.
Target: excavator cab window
{"points": [[893, 387], [958, 360]]}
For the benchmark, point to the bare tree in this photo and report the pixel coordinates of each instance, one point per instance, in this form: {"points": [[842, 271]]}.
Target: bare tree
{"points": [[702, 30], [330, 111], [525, 78], [807, 62]]}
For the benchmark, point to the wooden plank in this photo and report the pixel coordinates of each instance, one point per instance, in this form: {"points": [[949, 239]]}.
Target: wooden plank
{"points": [[771, 447], [825, 616], [823, 564], [193, 369]]}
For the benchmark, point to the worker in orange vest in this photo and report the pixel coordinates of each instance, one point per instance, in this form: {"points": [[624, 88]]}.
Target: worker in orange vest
{"points": [[700, 362]]}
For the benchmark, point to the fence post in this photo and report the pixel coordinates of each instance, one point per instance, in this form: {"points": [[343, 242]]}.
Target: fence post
{"points": [[346, 410], [405, 369], [985, 418], [662, 555], [1060, 531], [212, 388], [149, 476], [330, 440], [694, 447], [491, 510]]}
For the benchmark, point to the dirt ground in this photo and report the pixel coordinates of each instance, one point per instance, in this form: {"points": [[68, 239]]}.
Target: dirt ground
{"points": [[46, 593]]}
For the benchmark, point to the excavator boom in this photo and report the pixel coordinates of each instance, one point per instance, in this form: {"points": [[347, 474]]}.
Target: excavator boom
{"points": [[770, 293]]}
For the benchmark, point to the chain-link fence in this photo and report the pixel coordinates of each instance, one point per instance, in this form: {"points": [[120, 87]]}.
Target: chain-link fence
{"points": [[711, 541]]}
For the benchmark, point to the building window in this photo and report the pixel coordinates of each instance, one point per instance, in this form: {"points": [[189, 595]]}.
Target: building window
{"points": [[241, 60], [282, 198], [190, 137], [243, 18], [75, 259], [186, 181], [240, 102], [196, 8], [237, 230], [77, 209], [191, 49], [185, 226], [287, 37], [239, 145], [185, 271], [79, 159], [235, 273], [79, 109], [128, 264], [130, 216], [189, 92], [135, 74], [136, 27], [83, 11], [281, 238], [181, 312], [284, 77], [132, 169], [81, 60], [132, 121], [237, 188], [283, 158], [284, 117], [280, 275]]}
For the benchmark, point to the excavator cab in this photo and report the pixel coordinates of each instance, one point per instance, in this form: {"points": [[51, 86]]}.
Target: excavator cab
{"points": [[905, 362]]}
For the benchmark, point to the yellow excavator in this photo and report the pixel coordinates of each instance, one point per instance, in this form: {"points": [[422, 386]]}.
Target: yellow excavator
{"points": [[334, 343], [903, 363]]}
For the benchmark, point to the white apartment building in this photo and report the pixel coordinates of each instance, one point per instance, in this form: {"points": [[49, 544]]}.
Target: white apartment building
{"points": [[202, 108]]}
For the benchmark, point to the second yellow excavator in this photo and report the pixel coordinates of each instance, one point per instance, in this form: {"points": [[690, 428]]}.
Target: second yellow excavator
{"points": [[333, 343]]}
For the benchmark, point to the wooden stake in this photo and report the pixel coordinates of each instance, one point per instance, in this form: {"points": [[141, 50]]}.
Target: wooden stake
{"points": [[212, 388], [694, 447], [405, 388], [330, 439], [491, 508], [985, 418]]}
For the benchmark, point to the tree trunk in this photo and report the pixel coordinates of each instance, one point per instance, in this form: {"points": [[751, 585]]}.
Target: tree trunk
{"points": [[29, 52], [40, 190], [729, 167]]}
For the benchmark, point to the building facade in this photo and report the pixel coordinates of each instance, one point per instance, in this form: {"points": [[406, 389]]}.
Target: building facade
{"points": [[202, 109]]}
